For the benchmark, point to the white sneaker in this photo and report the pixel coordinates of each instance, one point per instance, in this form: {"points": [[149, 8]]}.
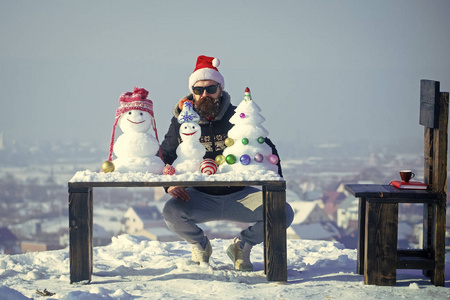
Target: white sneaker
{"points": [[201, 255], [240, 257]]}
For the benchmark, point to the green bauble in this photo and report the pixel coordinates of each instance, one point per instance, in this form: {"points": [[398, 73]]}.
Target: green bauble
{"points": [[245, 141], [229, 142], [220, 159], [231, 159], [261, 140]]}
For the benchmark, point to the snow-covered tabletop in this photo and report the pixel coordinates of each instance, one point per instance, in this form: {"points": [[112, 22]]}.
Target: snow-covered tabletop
{"points": [[91, 176]]}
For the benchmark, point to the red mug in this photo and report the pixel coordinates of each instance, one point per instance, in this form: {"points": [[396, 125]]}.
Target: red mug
{"points": [[406, 175]]}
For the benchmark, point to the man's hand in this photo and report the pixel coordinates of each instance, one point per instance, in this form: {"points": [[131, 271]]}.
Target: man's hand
{"points": [[178, 192]]}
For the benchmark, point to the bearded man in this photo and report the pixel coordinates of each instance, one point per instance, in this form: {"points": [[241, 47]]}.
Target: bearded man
{"points": [[193, 205]]}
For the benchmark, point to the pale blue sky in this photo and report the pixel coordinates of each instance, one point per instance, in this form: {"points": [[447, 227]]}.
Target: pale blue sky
{"points": [[321, 71]]}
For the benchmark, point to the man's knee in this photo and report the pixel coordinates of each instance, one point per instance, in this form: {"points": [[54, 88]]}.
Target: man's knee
{"points": [[289, 215], [170, 209]]}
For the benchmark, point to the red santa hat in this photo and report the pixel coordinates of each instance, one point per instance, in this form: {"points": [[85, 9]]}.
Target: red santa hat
{"points": [[206, 69], [136, 100]]}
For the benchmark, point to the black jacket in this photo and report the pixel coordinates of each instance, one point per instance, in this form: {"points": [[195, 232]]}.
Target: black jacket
{"points": [[212, 137]]}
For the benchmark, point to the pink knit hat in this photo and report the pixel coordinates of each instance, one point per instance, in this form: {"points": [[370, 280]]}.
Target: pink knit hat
{"points": [[136, 100], [206, 69]]}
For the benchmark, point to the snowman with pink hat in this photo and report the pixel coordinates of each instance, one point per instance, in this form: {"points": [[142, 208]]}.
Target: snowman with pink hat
{"points": [[137, 147]]}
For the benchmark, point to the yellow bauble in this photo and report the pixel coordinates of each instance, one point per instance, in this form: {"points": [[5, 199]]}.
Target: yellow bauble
{"points": [[220, 159], [108, 166], [229, 142]]}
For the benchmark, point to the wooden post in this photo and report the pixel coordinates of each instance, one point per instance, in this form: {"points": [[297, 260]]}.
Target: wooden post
{"points": [[439, 185], [275, 232], [434, 116], [361, 235], [80, 234], [380, 258], [264, 191]]}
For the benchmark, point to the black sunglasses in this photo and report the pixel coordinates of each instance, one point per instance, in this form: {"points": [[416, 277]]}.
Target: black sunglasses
{"points": [[210, 89]]}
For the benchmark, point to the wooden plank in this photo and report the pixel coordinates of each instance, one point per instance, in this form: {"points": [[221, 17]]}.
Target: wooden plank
{"points": [[275, 224], [417, 263], [388, 193], [440, 146], [361, 236], [429, 108], [80, 235], [438, 242], [428, 179], [275, 183], [264, 191], [380, 257]]}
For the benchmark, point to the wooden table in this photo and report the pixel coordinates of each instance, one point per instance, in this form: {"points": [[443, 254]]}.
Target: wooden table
{"points": [[81, 223], [378, 256]]}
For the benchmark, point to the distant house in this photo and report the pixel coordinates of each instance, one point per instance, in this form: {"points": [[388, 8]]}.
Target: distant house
{"points": [[347, 214], [136, 218], [147, 221], [314, 231], [331, 202], [32, 246], [8, 242], [308, 212]]}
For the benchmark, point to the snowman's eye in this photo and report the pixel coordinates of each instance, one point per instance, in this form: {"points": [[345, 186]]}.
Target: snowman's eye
{"points": [[129, 112], [193, 127], [141, 114]]}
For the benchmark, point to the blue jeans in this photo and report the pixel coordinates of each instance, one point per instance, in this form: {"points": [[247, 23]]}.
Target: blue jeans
{"points": [[243, 206]]}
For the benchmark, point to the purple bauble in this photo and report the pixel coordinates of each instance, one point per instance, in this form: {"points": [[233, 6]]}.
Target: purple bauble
{"points": [[245, 159], [259, 157], [242, 115], [273, 159]]}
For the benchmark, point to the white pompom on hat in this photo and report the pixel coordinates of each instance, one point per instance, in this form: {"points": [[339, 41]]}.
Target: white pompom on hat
{"points": [[206, 69]]}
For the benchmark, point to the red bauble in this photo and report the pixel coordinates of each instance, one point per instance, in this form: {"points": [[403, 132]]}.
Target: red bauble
{"points": [[169, 170], [208, 166]]}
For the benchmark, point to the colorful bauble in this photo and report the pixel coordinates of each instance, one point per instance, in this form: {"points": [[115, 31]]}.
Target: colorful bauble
{"points": [[245, 141], [169, 170], [230, 159], [242, 115], [245, 159], [273, 159], [208, 166], [220, 159], [108, 166], [259, 157], [229, 142], [261, 140]]}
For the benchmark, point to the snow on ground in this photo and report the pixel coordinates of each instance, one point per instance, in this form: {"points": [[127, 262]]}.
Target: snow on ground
{"points": [[133, 267]]}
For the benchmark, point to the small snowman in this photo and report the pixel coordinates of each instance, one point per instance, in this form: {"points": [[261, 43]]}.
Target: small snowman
{"points": [[136, 147], [190, 152]]}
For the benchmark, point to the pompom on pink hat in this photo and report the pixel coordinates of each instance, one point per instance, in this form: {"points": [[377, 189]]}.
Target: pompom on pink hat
{"points": [[136, 100]]}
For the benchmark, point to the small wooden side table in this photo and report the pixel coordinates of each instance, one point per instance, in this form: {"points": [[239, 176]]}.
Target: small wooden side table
{"points": [[378, 256]]}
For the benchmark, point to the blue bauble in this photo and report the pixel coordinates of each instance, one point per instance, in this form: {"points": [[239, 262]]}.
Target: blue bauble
{"points": [[245, 159]]}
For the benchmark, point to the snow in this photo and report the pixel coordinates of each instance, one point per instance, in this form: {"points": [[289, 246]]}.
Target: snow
{"points": [[133, 267], [93, 176]]}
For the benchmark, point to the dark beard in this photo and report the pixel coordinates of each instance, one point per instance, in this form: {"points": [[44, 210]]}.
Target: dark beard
{"points": [[207, 108]]}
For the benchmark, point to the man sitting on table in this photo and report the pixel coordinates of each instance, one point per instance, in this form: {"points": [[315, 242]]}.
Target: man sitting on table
{"points": [[193, 205]]}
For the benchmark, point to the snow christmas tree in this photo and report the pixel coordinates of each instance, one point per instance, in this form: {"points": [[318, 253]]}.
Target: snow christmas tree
{"points": [[246, 146]]}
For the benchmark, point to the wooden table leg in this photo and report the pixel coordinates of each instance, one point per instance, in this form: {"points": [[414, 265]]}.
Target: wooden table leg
{"points": [[80, 234], [361, 235], [275, 233], [265, 231], [380, 249], [438, 242]]}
